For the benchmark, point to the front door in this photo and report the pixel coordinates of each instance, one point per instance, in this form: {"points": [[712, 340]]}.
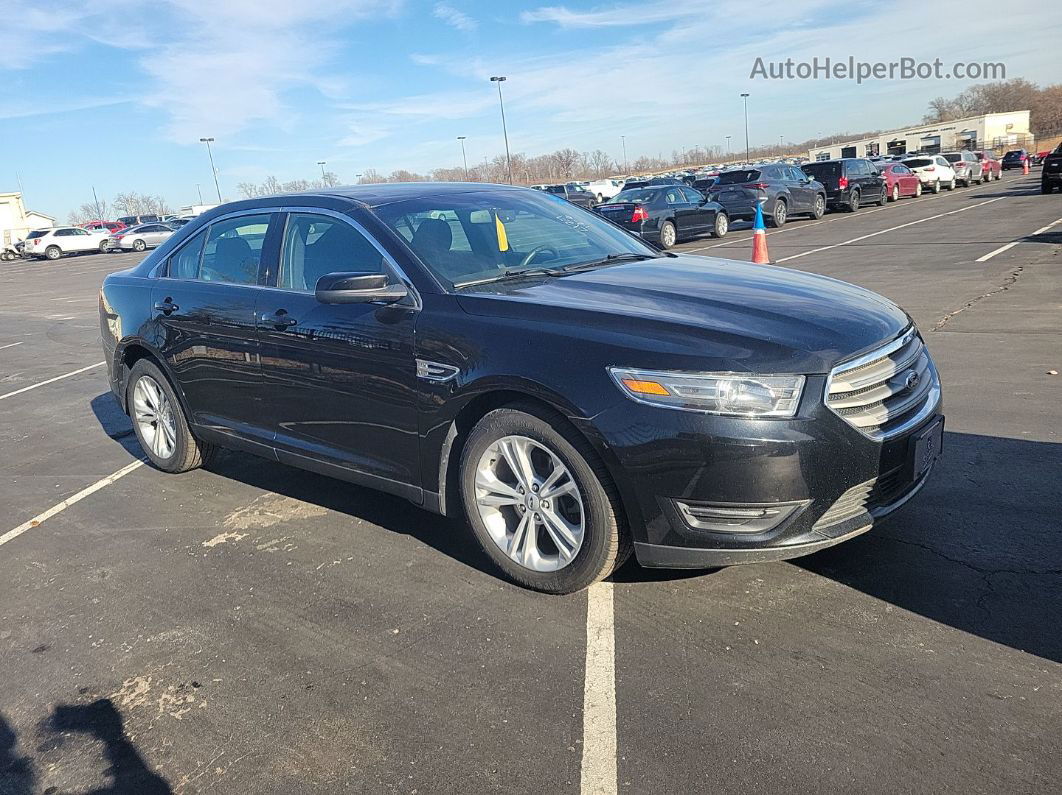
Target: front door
{"points": [[341, 378], [204, 315]]}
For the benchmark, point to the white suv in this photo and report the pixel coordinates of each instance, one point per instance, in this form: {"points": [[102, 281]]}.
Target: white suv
{"points": [[54, 243], [934, 171]]}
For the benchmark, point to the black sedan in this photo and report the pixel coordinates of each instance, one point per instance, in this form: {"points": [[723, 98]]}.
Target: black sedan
{"points": [[498, 354], [666, 214]]}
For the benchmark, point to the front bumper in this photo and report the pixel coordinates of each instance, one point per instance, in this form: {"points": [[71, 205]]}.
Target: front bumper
{"points": [[666, 459]]}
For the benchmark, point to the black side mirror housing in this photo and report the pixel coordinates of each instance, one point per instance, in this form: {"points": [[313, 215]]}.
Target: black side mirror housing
{"points": [[358, 288]]}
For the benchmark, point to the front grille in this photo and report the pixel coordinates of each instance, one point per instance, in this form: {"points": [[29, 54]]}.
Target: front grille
{"points": [[887, 391]]}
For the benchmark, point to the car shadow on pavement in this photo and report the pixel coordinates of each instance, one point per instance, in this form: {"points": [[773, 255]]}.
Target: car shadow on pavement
{"points": [[980, 549], [17, 776]]}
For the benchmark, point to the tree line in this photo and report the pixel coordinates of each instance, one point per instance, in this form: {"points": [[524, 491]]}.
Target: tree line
{"points": [[129, 203], [1044, 104]]}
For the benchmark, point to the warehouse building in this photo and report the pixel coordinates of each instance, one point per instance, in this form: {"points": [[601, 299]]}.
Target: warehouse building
{"points": [[993, 131]]}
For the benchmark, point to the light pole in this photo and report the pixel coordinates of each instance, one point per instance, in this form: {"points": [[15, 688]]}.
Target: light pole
{"points": [[745, 98], [626, 168], [97, 202], [464, 157], [780, 144], [213, 170], [505, 132], [321, 163], [728, 147], [200, 192]]}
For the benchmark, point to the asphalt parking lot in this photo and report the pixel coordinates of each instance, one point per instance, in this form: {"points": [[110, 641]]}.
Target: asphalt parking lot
{"points": [[254, 628]]}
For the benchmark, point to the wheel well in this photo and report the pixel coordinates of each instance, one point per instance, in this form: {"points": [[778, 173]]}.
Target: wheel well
{"points": [[132, 354], [461, 427]]}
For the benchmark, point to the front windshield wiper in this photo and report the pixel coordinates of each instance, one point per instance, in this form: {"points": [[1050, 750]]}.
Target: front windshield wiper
{"points": [[564, 270], [609, 260]]}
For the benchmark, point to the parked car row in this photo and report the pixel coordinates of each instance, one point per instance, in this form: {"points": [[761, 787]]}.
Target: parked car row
{"points": [[95, 237], [665, 210]]}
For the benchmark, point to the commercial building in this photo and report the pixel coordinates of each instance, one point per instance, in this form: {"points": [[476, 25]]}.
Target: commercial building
{"points": [[16, 221], [994, 131]]}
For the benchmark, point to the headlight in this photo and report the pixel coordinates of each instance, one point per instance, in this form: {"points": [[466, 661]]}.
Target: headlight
{"points": [[735, 394]]}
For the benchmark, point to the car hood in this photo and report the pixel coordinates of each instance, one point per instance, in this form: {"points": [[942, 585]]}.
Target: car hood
{"points": [[702, 313]]}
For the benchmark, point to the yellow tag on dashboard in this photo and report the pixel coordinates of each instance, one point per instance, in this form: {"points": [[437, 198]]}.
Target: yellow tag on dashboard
{"points": [[503, 239]]}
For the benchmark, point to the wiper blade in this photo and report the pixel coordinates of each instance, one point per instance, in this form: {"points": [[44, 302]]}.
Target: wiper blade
{"points": [[610, 259], [514, 274]]}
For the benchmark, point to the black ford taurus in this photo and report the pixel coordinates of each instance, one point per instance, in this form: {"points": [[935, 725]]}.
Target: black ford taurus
{"points": [[498, 353]]}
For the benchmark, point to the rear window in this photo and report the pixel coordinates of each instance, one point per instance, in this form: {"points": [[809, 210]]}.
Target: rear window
{"points": [[918, 162], [555, 189], [739, 177], [37, 233], [636, 195], [953, 158], [819, 170], [1013, 154]]}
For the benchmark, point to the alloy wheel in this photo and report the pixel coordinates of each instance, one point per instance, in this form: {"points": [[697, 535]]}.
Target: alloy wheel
{"points": [[722, 225], [154, 417], [895, 193], [668, 235], [530, 503]]}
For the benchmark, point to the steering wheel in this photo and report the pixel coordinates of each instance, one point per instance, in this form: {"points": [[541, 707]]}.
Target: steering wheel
{"points": [[535, 252]]}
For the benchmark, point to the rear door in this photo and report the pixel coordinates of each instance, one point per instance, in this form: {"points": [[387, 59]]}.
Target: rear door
{"points": [[204, 313], [341, 378], [802, 195]]}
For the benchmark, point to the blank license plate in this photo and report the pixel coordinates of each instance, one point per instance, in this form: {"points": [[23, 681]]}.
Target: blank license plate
{"points": [[926, 447]]}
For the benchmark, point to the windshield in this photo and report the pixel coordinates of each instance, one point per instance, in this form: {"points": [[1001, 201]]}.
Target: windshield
{"points": [[636, 195], [738, 177], [469, 237]]}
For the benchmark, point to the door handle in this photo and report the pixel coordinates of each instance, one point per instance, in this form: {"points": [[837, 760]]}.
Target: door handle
{"points": [[278, 320], [166, 307]]}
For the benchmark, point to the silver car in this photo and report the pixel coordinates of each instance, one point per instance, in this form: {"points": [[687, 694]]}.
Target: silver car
{"points": [[139, 238]]}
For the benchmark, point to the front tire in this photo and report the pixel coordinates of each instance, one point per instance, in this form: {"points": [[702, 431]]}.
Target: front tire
{"points": [[540, 503], [159, 421], [668, 235], [895, 195], [952, 184], [883, 199], [918, 189], [936, 187]]}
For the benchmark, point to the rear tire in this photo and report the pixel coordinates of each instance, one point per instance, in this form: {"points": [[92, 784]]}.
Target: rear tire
{"points": [[779, 213], [853, 201], [1045, 188], [592, 505], [178, 450], [668, 235], [53, 252], [721, 225]]}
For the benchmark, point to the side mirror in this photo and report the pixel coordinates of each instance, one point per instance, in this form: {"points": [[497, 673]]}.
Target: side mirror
{"points": [[358, 288]]}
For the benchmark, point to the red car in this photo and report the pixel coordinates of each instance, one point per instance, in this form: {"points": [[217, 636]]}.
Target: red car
{"points": [[991, 168], [99, 226], [899, 181]]}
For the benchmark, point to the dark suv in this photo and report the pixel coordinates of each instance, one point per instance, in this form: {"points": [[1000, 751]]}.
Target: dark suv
{"points": [[784, 190], [850, 182], [576, 194], [1051, 177], [490, 352], [1015, 158]]}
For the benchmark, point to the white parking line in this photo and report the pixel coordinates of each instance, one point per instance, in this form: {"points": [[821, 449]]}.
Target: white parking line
{"points": [[11, 535], [9, 345], [599, 774], [1012, 244], [51, 380], [890, 229]]}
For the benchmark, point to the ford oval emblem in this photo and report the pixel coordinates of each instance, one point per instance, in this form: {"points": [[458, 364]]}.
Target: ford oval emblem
{"points": [[912, 379]]}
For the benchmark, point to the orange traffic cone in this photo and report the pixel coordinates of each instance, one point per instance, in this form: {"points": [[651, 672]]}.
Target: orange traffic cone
{"points": [[1025, 166], [759, 239]]}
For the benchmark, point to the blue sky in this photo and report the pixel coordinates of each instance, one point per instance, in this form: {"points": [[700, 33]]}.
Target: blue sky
{"points": [[117, 94]]}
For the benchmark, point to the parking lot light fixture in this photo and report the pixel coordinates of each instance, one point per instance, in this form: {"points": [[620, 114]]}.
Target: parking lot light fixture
{"points": [[505, 132], [626, 168], [213, 169], [321, 163], [745, 99], [728, 147], [464, 156]]}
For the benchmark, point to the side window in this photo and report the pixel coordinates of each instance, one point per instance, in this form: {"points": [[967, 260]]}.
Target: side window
{"points": [[62, 232], [315, 245], [692, 196], [674, 196], [185, 263], [233, 250]]}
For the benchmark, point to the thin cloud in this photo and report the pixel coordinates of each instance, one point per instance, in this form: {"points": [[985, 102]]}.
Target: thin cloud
{"points": [[454, 18]]}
